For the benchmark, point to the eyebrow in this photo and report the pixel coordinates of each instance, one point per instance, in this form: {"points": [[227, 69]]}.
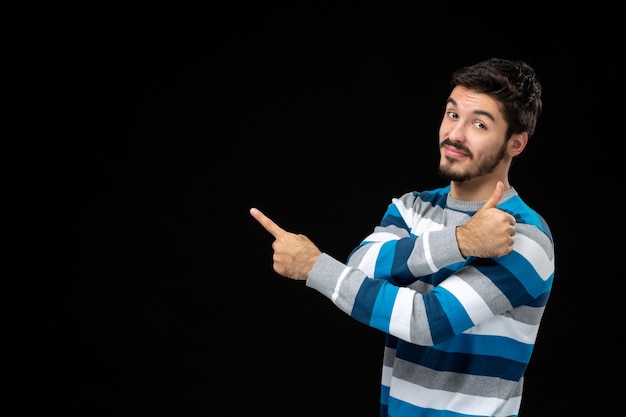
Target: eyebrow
{"points": [[475, 112]]}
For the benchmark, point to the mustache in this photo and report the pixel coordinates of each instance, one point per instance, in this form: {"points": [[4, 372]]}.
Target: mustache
{"points": [[459, 146]]}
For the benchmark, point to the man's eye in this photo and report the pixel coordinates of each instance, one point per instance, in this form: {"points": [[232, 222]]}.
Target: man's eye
{"points": [[479, 125], [453, 115]]}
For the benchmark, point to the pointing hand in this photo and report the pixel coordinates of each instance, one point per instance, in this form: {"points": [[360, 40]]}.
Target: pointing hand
{"points": [[294, 254]]}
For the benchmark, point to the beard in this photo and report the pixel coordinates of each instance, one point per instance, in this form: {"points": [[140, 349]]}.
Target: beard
{"points": [[486, 164]]}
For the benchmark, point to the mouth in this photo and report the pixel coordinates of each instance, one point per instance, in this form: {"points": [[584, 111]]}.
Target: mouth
{"points": [[454, 152]]}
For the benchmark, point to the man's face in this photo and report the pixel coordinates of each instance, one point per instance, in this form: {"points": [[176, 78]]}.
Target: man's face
{"points": [[471, 136]]}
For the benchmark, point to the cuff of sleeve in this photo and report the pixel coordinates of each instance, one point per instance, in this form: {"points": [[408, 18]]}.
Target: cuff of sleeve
{"points": [[325, 274], [444, 247]]}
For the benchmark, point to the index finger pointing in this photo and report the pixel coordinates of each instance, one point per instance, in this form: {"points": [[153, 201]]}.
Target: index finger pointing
{"points": [[267, 223]]}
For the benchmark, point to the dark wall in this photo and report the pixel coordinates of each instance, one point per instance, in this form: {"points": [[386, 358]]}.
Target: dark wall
{"points": [[138, 282]]}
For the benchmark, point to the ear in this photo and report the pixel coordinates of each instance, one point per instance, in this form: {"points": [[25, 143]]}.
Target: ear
{"points": [[517, 143]]}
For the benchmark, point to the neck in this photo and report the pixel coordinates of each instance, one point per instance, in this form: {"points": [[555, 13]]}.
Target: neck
{"points": [[477, 189]]}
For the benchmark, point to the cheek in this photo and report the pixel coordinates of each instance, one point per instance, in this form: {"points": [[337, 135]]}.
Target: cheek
{"points": [[446, 126], [443, 131]]}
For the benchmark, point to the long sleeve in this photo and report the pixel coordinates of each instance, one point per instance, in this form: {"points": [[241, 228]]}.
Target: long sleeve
{"points": [[394, 280], [407, 245]]}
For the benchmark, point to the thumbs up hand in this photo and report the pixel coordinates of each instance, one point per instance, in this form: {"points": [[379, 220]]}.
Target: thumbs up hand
{"points": [[489, 232]]}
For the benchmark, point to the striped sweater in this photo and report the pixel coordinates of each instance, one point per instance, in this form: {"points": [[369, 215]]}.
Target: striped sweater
{"points": [[460, 332]]}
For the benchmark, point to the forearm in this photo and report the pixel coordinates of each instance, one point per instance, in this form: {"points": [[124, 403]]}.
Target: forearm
{"points": [[403, 259]]}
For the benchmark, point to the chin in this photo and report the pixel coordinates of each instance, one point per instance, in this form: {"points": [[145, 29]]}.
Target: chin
{"points": [[450, 175]]}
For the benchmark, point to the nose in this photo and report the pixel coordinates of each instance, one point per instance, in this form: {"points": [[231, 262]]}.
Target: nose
{"points": [[454, 131], [457, 132]]}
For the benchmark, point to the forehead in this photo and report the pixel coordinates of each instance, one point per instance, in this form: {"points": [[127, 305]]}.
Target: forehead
{"points": [[468, 101]]}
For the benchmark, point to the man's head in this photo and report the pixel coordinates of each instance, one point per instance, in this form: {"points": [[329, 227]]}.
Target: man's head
{"points": [[513, 84], [491, 112]]}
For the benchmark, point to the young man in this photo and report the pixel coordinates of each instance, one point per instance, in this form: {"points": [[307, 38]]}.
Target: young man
{"points": [[457, 277]]}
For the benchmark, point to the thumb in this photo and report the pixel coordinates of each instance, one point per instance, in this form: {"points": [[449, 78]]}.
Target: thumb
{"points": [[496, 196]]}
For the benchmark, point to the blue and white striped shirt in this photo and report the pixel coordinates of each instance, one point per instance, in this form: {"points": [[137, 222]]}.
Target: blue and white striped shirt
{"points": [[460, 332]]}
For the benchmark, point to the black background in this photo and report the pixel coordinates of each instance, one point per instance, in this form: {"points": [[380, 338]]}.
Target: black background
{"points": [[138, 283]]}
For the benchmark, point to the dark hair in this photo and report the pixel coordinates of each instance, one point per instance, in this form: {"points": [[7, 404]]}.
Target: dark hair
{"points": [[513, 84]]}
